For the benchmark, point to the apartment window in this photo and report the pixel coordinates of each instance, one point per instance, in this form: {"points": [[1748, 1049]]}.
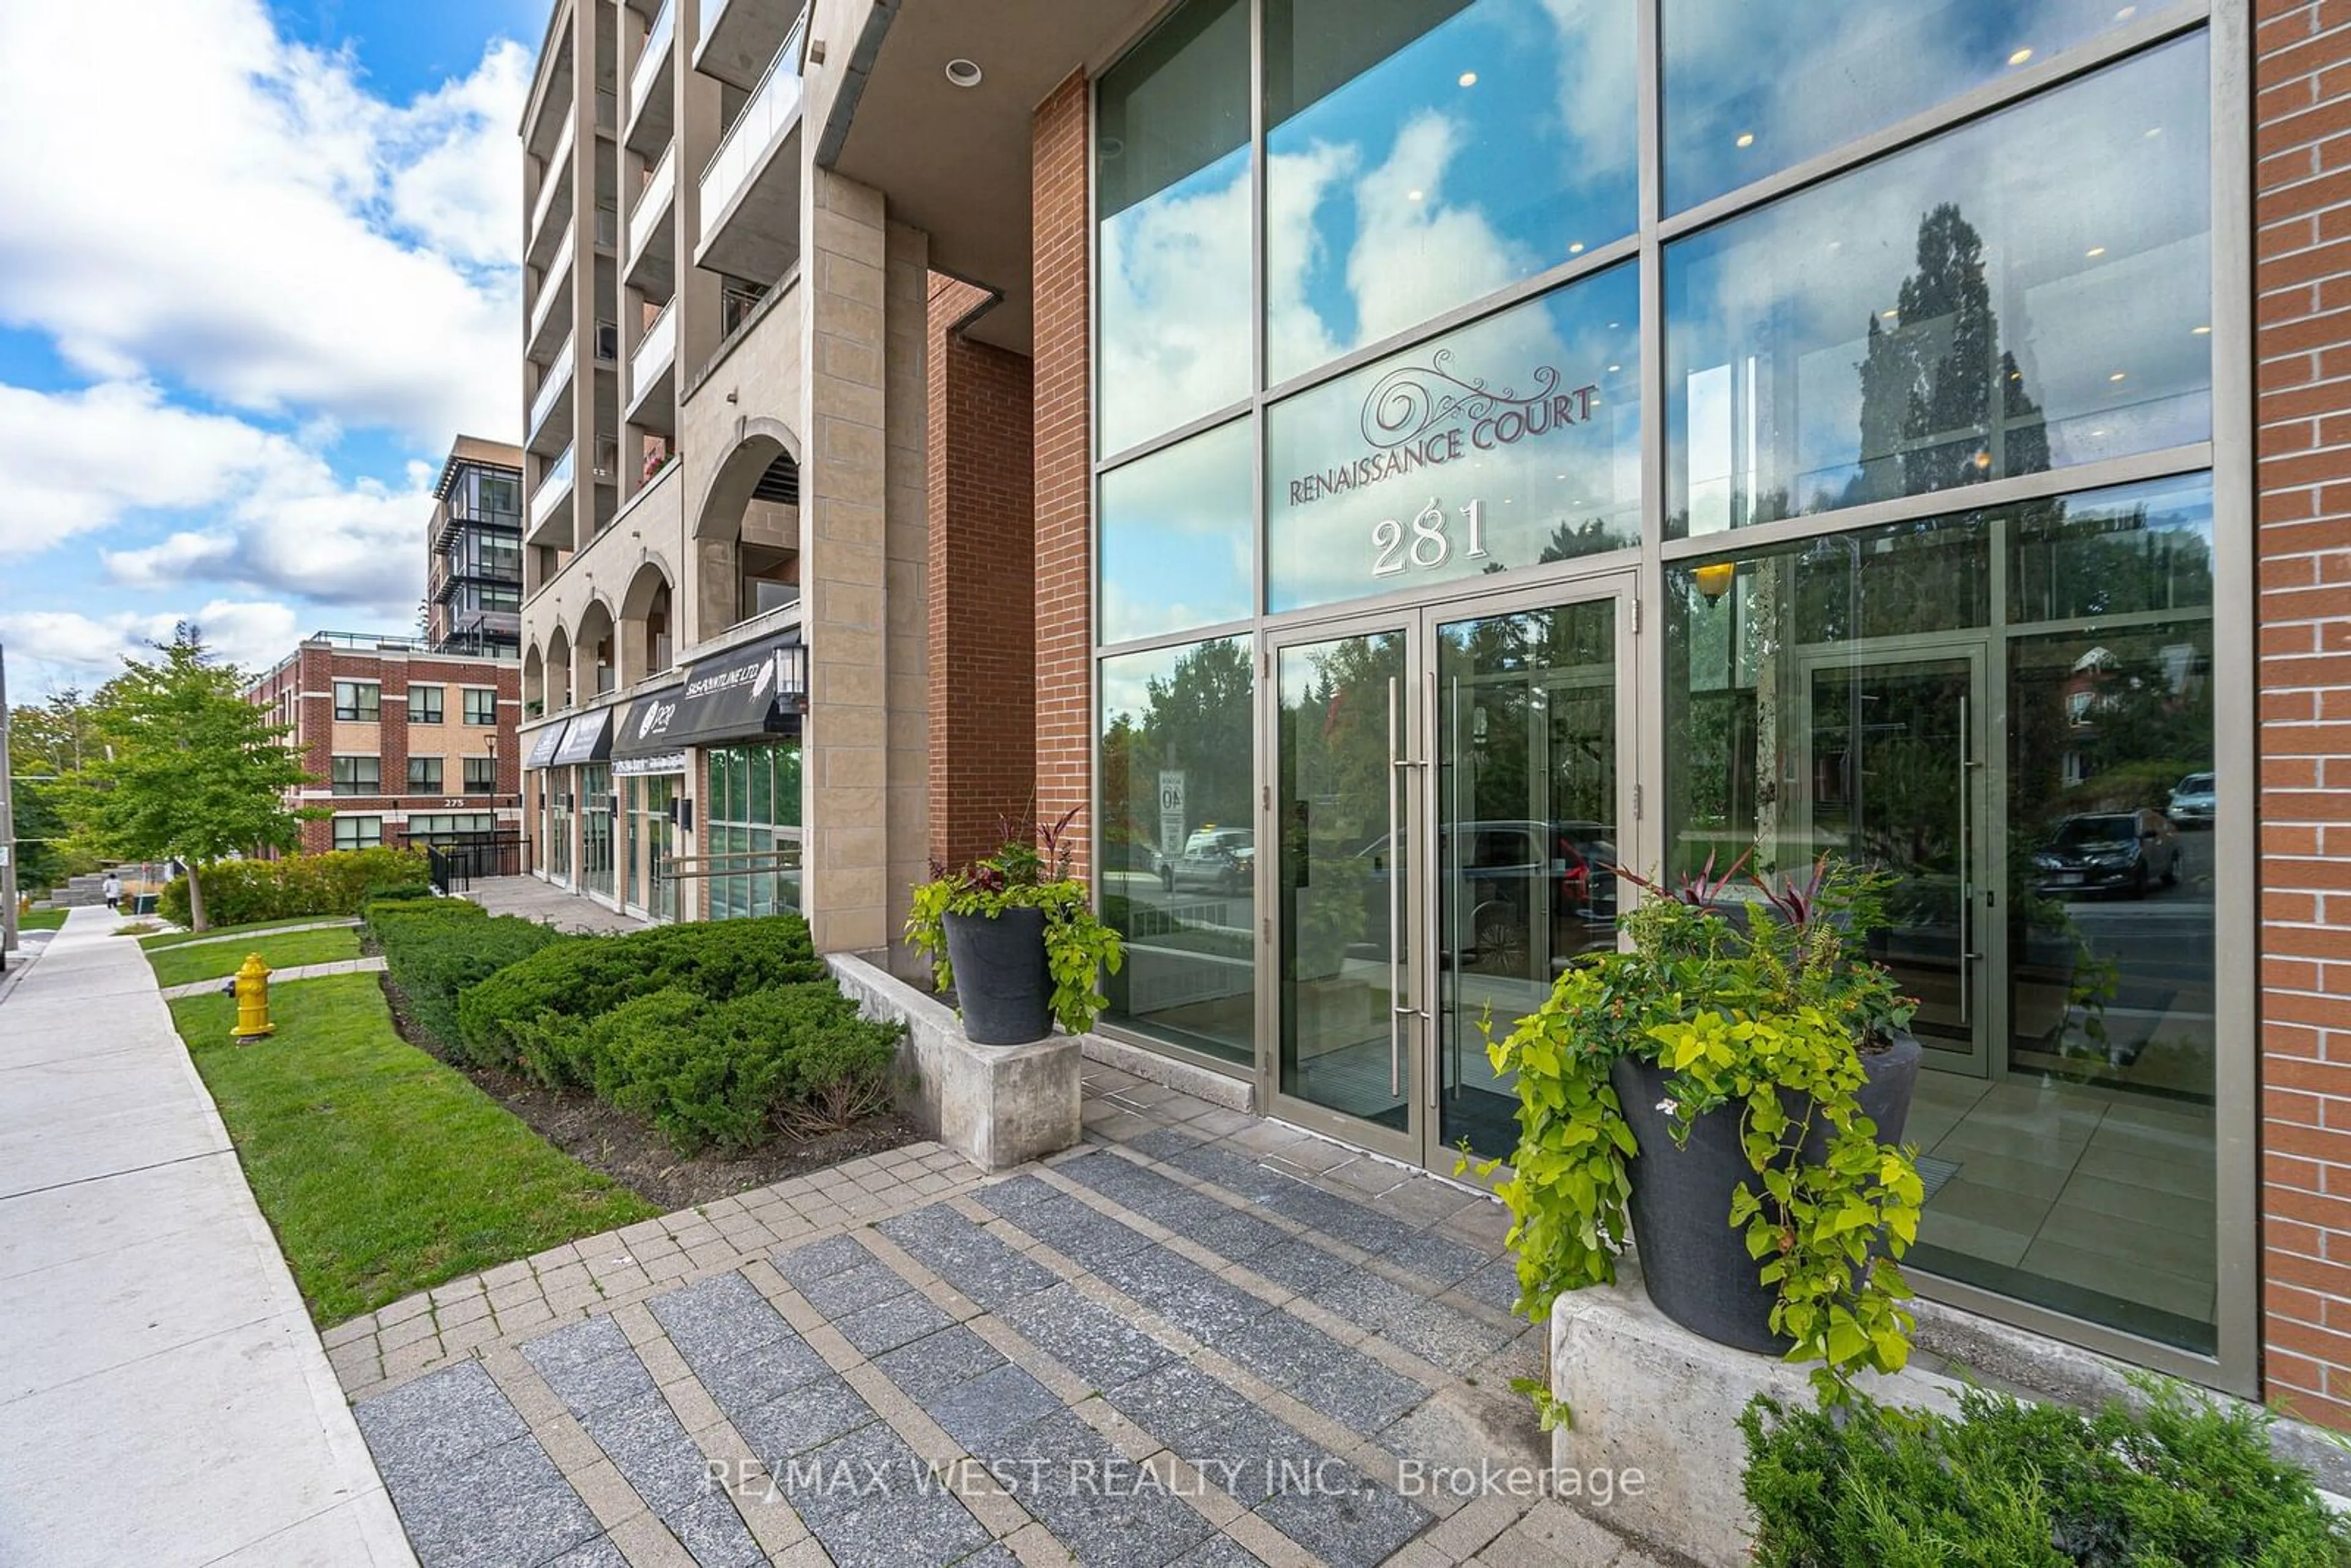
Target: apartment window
{"points": [[425, 776], [481, 705], [481, 776], [359, 833], [424, 705], [359, 701], [438, 824], [358, 775]]}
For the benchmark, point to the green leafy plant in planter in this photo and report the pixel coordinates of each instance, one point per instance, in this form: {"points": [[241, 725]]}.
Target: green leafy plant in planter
{"points": [[1763, 1028], [1031, 872]]}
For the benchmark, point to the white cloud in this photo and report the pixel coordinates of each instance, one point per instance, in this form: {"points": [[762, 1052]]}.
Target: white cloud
{"points": [[91, 648], [237, 213]]}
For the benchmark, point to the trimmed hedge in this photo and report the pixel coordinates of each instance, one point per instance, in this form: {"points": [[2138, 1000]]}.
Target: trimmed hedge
{"points": [[435, 947], [2183, 1482], [727, 1072], [238, 893], [717, 961]]}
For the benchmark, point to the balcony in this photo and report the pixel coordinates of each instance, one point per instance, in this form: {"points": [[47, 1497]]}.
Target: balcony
{"points": [[550, 313], [554, 198], [653, 240], [550, 411], [652, 116], [547, 505], [653, 378], [740, 38], [750, 191]]}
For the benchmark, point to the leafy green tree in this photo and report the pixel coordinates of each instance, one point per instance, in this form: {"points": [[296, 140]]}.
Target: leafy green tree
{"points": [[188, 767]]}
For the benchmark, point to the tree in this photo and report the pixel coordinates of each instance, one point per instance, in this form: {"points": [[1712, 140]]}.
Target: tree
{"points": [[188, 767]]}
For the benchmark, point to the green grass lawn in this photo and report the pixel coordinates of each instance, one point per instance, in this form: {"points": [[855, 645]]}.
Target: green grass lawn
{"points": [[382, 1170], [179, 965], [41, 919], [179, 938]]}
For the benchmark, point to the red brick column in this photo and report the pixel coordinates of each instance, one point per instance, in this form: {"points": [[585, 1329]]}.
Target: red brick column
{"points": [[983, 557], [1064, 441], [2302, 145]]}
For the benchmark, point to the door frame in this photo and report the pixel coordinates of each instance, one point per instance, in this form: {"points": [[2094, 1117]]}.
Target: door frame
{"points": [[1413, 771], [1983, 827]]}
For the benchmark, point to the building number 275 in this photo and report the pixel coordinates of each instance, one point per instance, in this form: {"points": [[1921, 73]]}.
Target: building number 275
{"points": [[1429, 545]]}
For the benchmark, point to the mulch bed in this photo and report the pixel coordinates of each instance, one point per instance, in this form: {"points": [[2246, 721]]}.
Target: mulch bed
{"points": [[632, 1154]]}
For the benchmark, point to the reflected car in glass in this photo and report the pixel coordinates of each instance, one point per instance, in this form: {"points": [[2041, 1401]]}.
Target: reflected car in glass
{"points": [[2191, 802], [2124, 852], [1135, 861], [1222, 860]]}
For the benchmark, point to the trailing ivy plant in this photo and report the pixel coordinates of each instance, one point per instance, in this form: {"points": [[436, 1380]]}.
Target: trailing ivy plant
{"points": [[1765, 1017], [1031, 871]]}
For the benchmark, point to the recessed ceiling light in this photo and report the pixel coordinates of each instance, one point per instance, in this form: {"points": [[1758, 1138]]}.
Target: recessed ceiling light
{"points": [[1746, 139], [1614, 369], [963, 72], [1112, 147], [2020, 56], [1889, 314], [1412, 195], [1575, 249], [1469, 79], [2115, 377], [2125, 14], [2097, 432], [2094, 252], [2201, 331], [2153, 131]]}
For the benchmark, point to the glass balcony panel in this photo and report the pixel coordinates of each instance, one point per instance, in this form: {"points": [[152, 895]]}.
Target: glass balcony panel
{"points": [[553, 489], [649, 63], [770, 110]]}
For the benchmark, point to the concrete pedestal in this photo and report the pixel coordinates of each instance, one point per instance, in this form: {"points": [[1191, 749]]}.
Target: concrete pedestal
{"points": [[996, 1105], [1650, 1396]]}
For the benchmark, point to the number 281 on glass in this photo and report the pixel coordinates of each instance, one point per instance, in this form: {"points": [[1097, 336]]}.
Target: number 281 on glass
{"points": [[1429, 544]]}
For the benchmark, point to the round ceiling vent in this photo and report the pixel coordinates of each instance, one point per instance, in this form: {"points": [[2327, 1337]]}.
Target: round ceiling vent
{"points": [[963, 72]]}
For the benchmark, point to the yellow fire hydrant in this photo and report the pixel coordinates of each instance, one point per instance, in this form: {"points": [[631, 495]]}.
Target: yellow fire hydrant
{"points": [[253, 1000]]}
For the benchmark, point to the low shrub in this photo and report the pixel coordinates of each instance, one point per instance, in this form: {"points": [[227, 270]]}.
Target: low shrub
{"points": [[238, 893], [405, 892], [729, 1072], [534, 1002], [2184, 1481], [435, 947]]}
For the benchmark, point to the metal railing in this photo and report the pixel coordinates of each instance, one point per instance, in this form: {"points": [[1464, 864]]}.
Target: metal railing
{"points": [[453, 860], [552, 489], [774, 103]]}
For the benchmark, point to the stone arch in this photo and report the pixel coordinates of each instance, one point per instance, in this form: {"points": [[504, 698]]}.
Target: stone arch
{"points": [[558, 670], [648, 623], [595, 649], [747, 530], [534, 680]]}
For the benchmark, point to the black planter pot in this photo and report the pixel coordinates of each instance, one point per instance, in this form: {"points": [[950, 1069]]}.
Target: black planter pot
{"points": [[1001, 980], [1693, 1264]]}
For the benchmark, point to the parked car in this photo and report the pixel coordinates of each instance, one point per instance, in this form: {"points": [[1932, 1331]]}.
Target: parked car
{"points": [[1135, 859], [1511, 880], [2108, 851], [1222, 860], [2191, 802]]}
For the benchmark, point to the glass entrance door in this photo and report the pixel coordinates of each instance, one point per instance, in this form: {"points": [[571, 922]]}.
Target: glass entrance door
{"points": [[1895, 777], [1445, 816]]}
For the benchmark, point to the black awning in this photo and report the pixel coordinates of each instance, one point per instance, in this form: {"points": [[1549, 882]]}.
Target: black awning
{"points": [[644, 726], [543, 743], [754, 690], [590, 739]]}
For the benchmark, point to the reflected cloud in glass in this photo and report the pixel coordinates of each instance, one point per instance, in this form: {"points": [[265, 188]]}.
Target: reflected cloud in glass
{"points": [[1428, 154], [1511, 442], [1174, 540], [2028, 292], [1746, 98]]}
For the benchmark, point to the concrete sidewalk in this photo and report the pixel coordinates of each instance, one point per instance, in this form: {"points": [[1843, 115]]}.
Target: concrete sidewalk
{"points": [[162, 1396]]}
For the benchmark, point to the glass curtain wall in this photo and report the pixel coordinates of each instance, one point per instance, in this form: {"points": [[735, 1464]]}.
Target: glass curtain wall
{"points": [[1934, 296], [751, 839]]}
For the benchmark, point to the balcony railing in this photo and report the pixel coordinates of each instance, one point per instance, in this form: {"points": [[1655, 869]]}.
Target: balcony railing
{"points": [[657, 41], [765, 118], [652, 202], [558, 178], [711, 10], [553, 489], [550, 388], [655, 352], [550, 284]]}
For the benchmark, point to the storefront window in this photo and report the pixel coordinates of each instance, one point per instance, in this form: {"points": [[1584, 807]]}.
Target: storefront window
{"points": [[1514, 442], [1175, 537], [2036, 777], [596, 829], [751, 838], [1748, 93], [1422, 155], [1178, 854], [2028, 292], [1172, 190], [558, 824]]}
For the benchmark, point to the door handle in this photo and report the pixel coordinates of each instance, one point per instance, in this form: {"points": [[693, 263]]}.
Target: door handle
{"points": [[1398, 1007], [1968, 955]]}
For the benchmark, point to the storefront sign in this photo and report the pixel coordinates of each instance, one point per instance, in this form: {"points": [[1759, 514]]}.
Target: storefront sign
{"points": [[1417, 417], [543, 743], [740, 695], [590, 739], [640, 741]]}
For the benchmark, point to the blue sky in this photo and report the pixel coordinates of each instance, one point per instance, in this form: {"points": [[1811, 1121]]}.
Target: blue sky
{"points": [[246, 301]]}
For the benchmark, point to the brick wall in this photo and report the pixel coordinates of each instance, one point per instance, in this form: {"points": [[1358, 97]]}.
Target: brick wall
{"points": [[983, 666], [1064, 441], [2301, 82]]}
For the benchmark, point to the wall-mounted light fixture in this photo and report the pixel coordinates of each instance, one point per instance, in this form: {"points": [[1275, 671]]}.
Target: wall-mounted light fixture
{"points": [[1714, 578]]}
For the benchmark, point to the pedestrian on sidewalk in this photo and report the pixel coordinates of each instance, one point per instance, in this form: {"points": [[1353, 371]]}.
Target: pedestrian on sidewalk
{"points": [[112, 888]]}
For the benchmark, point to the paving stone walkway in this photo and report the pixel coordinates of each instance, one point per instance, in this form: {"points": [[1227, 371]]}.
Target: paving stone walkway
{"points": [[548, 905], [273, 931], [1200, 1339], [278, 977]]}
